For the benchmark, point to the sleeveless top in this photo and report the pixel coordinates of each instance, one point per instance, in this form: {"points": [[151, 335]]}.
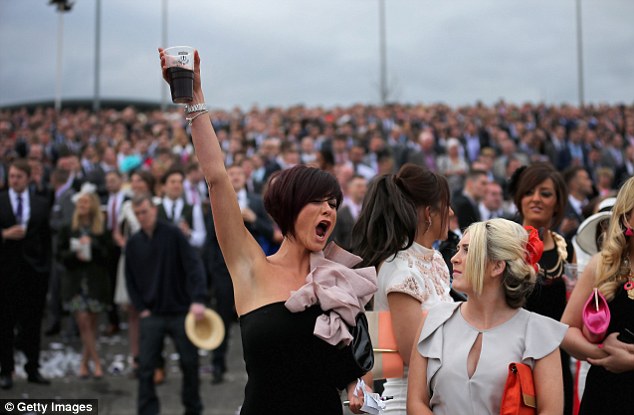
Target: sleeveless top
{"points": [[422, 274], [290, 370], [606, 392], [446, 340], [549, 295]]}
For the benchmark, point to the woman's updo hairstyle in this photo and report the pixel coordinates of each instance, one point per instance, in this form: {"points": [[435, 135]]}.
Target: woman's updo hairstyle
{"points": [[389, 217], [500, 240]]}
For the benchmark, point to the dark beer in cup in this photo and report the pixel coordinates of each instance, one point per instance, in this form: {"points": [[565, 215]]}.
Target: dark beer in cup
{"points": [[181, 82], [180, 73]]}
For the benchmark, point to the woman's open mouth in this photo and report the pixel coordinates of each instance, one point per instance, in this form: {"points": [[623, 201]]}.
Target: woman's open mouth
{"points": [[322, 228]]}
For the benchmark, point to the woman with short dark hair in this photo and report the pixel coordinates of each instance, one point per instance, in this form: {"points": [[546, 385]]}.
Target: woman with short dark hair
{"points": [[290, 336]]}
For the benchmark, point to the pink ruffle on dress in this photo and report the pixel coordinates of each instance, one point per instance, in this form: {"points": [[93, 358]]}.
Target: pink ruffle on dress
{"points": [[341, 292]]}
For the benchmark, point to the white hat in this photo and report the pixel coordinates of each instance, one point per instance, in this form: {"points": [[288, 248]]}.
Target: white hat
{"points": [[453, 142], [206, 333], [586, 236], [87, 188], [606, 204]]}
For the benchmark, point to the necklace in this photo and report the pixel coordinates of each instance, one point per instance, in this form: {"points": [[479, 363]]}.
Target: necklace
{"points": [[557, 270]]}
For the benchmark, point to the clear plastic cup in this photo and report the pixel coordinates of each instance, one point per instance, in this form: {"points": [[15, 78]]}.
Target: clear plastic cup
{"points": [[180, 73]]}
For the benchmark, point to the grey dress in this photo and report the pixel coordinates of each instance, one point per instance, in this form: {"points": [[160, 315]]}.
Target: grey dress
{"points": [[446, 340]]}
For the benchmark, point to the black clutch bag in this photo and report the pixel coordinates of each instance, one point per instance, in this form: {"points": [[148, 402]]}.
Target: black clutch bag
{"points": [[357, 358]]}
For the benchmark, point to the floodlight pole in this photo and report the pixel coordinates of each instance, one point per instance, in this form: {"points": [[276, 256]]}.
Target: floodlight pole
{"points": [[382, 52], [580, 85], [96, 104], [62, 7], [60, 47], [164, 45]]}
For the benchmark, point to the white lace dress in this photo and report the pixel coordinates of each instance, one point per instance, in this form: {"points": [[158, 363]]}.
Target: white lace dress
{"points": [[418, 272]]}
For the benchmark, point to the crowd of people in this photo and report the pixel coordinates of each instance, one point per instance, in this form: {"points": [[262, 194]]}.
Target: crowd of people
{"points": [[244, 200]]}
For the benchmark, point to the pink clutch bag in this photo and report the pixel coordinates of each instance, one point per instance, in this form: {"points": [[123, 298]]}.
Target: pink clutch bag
{"points": [[596, 317]]}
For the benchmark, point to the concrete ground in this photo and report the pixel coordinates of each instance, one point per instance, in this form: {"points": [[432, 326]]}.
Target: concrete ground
{"points": [[117, 390]]}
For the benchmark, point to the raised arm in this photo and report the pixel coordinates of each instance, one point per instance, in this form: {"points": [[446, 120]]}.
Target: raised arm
{"points": [[239, 249]]}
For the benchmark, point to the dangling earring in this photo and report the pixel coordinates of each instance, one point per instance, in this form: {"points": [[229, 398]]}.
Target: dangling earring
{"points": [[628, 231]]}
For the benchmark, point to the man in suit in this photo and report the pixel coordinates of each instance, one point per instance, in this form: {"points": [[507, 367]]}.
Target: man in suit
{"points": [[91, 167], [474, 140], [349, 210], [173, 208], [188, 218], [465, 204], [425, 154], [492, 204], [61, 214], [114, 200], [580, 189], [69, 161], [194, 185], [25, 253]]}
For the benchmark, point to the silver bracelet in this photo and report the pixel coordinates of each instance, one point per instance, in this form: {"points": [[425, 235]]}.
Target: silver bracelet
{"points": [[195, 108], [191, 120]]}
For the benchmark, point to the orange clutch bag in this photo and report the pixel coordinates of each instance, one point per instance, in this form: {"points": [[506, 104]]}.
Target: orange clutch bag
{"points": [[387, 360], [519, 391]]}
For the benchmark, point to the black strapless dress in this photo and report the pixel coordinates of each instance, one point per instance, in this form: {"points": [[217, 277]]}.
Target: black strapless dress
{"points": [[290, 370], [608, 393]]}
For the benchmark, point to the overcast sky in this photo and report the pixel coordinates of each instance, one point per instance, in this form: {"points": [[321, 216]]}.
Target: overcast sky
{"points": [[325, 52]]}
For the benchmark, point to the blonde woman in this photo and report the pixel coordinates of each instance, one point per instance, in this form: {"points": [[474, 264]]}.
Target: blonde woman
{"points": [[85, 286], [460, 363], [610, 380]]}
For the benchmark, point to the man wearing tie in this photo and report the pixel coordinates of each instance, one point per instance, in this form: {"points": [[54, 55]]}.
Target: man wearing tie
{"points": [[116, 197], [173, 208], [194, 185], [25, 254], [465, 203]]}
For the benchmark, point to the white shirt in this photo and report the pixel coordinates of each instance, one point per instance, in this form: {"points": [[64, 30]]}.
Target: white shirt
{"points": [[118, 201], [489, 214], [199, 233], [26, 205], [355, 208], [194, 193], [577, 205], [243, 200]]}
